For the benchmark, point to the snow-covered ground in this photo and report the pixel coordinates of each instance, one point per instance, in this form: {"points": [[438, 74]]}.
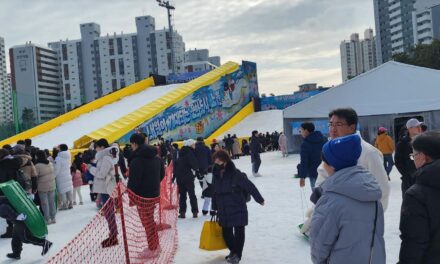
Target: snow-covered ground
{"points": [[86, 123], [271, 237], [264, 121]]}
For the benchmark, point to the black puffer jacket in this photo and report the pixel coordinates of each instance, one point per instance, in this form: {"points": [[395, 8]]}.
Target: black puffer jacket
{"points": [[403, 163], [420, 218], [8, 169], [228, 195], [146, 172], [255, 148], [185, 165], [203, 155]]}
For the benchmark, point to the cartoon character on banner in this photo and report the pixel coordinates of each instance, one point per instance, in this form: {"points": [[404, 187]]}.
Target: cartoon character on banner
{"points": [[200, 128], [229, 87]]}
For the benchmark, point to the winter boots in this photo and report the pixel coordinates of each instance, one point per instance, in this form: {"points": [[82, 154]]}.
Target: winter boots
{"points": [[256, 174], [13, 256], [182, 215], [47, 245]]}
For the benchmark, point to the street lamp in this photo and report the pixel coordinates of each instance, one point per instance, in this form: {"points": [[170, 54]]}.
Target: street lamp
{"points": [[169, 7]]}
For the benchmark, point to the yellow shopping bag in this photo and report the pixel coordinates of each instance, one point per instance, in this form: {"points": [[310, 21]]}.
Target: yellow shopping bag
{"points": [[211, 237]]}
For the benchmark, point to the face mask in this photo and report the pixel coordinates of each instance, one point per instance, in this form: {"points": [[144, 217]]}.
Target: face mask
{"points": [[219, 167]]}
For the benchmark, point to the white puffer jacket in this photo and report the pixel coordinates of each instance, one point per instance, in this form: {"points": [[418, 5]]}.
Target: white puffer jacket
{"points": [[62, 172], [371, 159], [104, 172]]}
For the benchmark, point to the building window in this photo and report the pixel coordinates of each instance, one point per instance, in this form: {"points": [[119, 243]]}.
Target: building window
{"points": [[111, 47], [114, 85], [121, 66], [119, 40], [64, 51], [67, 91], [113, 66], [66, 71]]}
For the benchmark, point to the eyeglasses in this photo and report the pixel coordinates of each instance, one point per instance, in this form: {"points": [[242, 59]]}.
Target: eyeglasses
{"points": [[412, 156], [336, 125]]}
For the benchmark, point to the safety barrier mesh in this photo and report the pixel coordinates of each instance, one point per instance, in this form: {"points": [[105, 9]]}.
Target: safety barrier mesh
{"points": [[128, 229]]}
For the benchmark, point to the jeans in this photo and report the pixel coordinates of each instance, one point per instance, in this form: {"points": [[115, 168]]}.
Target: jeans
{"points": [[146, 213], [77, 190], [256, 165], [234, 238], [109, 213], [184, 189], [47, 200], [312, 182], [388, 162]]}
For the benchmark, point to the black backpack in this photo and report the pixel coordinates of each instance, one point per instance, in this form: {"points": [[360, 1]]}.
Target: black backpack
{"points": [[236, 188]]}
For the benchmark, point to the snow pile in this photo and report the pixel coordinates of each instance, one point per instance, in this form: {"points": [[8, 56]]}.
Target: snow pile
{"points": [[265, 121], [69, 132], [271, 237]]}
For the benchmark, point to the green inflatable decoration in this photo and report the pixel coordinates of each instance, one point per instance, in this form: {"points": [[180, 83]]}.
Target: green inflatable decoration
{"points": [[22, 204]]}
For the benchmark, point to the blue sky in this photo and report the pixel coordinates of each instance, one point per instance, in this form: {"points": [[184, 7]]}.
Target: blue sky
{"points": [[292, 41]]}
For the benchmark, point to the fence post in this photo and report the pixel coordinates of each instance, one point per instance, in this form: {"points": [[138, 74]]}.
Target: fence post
{"points": [[124, 231], [169, 171]]}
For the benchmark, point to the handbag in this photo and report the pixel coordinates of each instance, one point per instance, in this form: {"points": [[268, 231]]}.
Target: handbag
{"points": [[211, 238]]}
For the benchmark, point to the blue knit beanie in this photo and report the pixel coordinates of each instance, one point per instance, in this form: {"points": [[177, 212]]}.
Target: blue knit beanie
{"points": [[342, 152]]}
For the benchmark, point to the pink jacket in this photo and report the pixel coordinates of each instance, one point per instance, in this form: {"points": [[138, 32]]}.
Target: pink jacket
{"points": [[77, 179]]}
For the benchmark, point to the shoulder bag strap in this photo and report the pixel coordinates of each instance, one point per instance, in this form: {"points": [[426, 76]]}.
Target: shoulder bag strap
{"points": [[374, 233]]}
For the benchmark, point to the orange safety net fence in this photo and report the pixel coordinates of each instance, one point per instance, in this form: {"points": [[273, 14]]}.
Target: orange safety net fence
{"points": [[128, 229]]}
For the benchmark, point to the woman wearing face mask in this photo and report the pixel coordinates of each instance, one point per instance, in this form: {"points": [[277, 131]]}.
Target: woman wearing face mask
{"points": [[231, 189]]}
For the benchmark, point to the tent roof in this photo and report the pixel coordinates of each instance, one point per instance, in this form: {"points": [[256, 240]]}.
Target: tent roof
{"points": [[387, 89]]}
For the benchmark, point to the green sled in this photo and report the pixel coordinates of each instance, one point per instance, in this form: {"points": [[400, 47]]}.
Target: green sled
{"points": [[22, 204]]}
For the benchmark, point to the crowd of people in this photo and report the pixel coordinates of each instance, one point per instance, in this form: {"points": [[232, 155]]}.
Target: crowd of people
{"points": [[350, 183], [349, 179]]}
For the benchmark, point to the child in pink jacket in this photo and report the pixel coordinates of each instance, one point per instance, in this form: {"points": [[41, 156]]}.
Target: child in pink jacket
{"points": [[77, 183]]}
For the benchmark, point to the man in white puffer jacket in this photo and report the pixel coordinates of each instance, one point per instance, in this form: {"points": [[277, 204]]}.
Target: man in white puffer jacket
{"points": [[63, 178], [343, 122]]}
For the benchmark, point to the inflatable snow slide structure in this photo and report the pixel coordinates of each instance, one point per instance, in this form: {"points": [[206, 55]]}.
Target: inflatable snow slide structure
{"points": [[177, 111], [203, 107]]}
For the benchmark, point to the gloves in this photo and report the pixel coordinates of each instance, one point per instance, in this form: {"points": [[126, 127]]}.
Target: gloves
{"points": [[21, 217], [213, 213], [31, 196]]}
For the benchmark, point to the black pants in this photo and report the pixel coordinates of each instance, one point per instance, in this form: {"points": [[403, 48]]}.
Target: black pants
{"points": [[92, 194], [184, 189], [256, 165], [234, 238], [20, 235]]}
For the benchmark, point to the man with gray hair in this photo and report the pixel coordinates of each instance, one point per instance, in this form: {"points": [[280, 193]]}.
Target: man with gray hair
{"points": [[403, 162]]}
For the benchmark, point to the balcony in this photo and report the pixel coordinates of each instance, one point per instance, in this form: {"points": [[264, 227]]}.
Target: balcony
{"points": [[394, 6]]}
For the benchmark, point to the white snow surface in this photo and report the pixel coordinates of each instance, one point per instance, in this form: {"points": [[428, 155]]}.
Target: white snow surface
{"points": [[264, 121], [70, 131], [271, 237]]}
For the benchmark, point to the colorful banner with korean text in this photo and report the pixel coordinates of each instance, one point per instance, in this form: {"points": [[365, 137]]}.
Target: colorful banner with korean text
{"points": [[203, 112]]}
